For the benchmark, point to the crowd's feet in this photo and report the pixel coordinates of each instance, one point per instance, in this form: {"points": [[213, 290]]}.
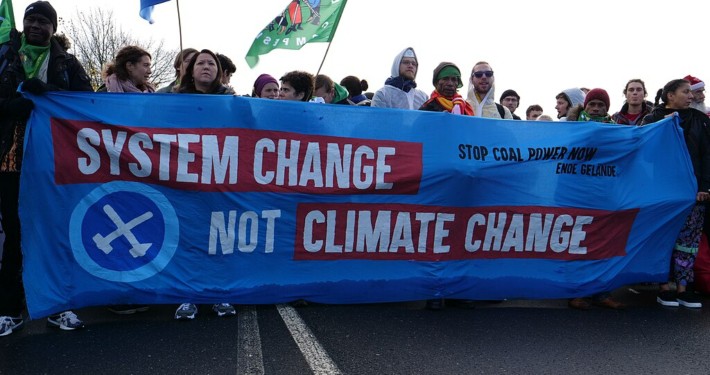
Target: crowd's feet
{"points": [[687, 299], [188, 311], [66, 321], [10, 324]]}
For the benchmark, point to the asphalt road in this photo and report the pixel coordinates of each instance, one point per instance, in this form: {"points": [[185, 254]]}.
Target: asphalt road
{"points": [[510, 337]]}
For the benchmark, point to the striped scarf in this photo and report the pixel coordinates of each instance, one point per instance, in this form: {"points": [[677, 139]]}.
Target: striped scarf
{"points": [[457, 105]]}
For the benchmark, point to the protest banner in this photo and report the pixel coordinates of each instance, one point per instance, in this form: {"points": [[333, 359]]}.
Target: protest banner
{"points": [[129, 198]]}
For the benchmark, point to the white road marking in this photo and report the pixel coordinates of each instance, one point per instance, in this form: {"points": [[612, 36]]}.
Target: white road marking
{"points": [[316, 356], [250, 359]]}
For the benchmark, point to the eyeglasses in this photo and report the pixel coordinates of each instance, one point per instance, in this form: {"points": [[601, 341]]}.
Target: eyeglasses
{"points": [[487, 73]]}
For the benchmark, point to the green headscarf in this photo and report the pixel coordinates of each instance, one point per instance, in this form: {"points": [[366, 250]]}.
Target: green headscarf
{"points": [[450, 71]]}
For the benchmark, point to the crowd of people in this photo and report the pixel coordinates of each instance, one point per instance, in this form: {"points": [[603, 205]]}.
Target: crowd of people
{"points": [[38, 59]]}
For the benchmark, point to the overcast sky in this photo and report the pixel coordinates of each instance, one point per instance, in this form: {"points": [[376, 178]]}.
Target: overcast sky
{"points": [[537, 48]]}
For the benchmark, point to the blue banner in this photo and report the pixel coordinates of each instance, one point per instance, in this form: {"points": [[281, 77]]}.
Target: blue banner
{"points": [[137, 198]]}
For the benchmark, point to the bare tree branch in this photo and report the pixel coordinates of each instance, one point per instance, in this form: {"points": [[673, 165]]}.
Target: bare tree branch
{"points": [[96, 39]]}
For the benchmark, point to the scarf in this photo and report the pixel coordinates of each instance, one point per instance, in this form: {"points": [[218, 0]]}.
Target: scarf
{"points": [[34, 60], [113, 84], [584, 116], [401, 83], [457, 105]]}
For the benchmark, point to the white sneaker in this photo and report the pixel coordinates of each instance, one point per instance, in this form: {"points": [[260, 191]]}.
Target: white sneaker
{"points": [[224, 309], [10, 324], [66, 321], [186, 311]]}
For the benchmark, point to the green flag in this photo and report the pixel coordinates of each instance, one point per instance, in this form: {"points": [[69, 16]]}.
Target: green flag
{"points": [[302, 22], [7, 20]]}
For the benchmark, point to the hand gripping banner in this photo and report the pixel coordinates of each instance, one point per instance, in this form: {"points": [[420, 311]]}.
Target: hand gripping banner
{"points": [[167, 198]]}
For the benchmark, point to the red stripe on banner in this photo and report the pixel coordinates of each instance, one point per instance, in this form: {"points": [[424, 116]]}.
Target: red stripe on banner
{"points": [[428, 233], [229, 159]]}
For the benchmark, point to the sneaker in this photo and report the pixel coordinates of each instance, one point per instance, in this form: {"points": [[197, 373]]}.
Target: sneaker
{"points": [[10, 324], [186, 311], [689, 299], [127, 309], [224, 309], [667, 298], [66, 321]]}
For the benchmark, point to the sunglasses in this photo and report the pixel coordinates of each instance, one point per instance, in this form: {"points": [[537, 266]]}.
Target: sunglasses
{"points": [[488, 74]]}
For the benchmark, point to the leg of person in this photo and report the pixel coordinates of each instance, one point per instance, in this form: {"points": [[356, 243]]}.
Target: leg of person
{"points": [[684, 254], [11, 290], [604, 299], [684, 275]]}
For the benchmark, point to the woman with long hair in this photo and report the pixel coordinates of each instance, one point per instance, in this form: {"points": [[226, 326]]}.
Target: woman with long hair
{"points": [[203, 75], [129, 72], [675, 99]]}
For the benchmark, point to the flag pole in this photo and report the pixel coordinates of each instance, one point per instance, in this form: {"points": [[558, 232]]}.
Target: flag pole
{"points": [[177, 4], [337, 23], [324, 56]]}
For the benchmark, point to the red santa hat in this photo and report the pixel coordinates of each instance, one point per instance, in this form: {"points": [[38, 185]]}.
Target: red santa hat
{"points": [[695, 83]]}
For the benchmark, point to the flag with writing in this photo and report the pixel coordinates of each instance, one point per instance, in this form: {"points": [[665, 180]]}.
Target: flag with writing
{"points": [[7, 20], [302, 22], [146, 11]]}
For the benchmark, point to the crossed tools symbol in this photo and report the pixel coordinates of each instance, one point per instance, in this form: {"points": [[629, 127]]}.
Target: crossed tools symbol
{"points": [[123, 229]]}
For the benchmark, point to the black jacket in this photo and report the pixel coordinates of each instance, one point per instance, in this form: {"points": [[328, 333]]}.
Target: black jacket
{"points": [[696, 132], [63, 73]]}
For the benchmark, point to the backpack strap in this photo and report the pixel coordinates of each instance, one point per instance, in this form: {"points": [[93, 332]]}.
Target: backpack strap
{"points": [[501, 110]]}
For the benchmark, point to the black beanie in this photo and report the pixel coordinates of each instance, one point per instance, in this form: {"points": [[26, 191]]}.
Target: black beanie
{"points": [[507, 93], [44, 8]]}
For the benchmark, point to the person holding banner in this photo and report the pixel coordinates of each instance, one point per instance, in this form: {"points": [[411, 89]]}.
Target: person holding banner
{"points": [[203, 75], [400, 90], [676, 99], [38, 60], [129, 72], [595, 109]]}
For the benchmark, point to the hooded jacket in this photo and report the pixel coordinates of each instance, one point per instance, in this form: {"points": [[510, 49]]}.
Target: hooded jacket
{"points": [[487, 106], [391, 96], [575, 97]]}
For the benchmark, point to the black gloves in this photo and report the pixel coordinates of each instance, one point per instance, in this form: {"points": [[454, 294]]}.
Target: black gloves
{"points": [[17, 108], [35, 86]]}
